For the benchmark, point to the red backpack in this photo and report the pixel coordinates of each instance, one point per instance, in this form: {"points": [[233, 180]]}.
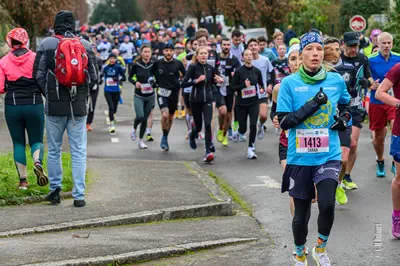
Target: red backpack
{"points": [[71, 62]]}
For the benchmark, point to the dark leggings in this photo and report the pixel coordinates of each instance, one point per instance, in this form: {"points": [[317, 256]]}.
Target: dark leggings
{"points": [[143, 107], [200, 111], [29, 118], [112, 99], [326, 190], [248, 111], [92, 106]]}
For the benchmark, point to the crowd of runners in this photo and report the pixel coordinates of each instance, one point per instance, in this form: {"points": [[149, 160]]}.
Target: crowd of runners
{"points": [[321, 91]]}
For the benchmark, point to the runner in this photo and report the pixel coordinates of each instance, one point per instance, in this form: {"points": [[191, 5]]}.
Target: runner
{"points": [[23, 108], [278, 40], [237, 44], [264, 50], [104, 48], [392, 80], [201, 76], [268, 77], [352, 56], [113, 75], [307, 102], [225, 98], [128, 51], [379, 113], [280, 65], [167, 72], [348, 72], [248, 83], [142, 79]]}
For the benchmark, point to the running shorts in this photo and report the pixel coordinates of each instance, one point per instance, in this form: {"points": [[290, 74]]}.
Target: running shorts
{"points": [[357, 116], [225, 100], [379, 115], [170, 102]]}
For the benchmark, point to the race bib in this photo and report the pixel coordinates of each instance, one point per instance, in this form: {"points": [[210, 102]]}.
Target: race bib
{"points": [[111, 82], [312, 140], [355, 101], [187, 90], [164, 92], [249, 92], [146, 89]]}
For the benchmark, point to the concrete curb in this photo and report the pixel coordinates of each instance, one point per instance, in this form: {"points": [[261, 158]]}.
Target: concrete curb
{"points": [[193, 211], [146, 255], [42, 198]]}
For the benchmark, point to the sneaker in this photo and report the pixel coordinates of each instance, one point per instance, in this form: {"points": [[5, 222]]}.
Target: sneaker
{"points": [[242, 138], [133, 135], [200, 136], [209, 157], [41, 176], [212, 147], [393, 169], [300, 261], [141, 145], [230, 133], [349, 185], [149, 137], [341, 197], [380, 169], [260, 133], [225, 142], [176, 114], [321, 259], [220, 135], [79, 203], [181, 114], [192, 141], [235, 136], [164, 143], [112, 128], [89, 127], [23, 184], [396, 226], [54, 196], [235, 126], [251, 155]]}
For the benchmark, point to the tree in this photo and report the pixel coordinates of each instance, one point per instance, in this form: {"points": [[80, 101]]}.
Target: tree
{"points": [[34, 16], [239, 11], [393, 26], [365, 8], [105, 12], [129, 10]]}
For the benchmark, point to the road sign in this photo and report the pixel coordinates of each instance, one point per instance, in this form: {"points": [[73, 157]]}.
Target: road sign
{"points": [[358, 23]]}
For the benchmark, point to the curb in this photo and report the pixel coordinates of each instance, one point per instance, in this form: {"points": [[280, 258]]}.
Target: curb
{"points": [[148, 254], [193, 211], [42, 198]]}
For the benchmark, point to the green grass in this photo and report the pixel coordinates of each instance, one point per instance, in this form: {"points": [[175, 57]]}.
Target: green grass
{"points": [[9, 180]]}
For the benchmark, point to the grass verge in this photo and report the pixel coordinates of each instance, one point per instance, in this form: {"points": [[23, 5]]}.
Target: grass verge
{"points": [[9, 180]]}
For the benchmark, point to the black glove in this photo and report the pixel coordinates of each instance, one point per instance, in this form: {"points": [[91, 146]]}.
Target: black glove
{"points": [[364, 83], [320, 98], [341, 122]]}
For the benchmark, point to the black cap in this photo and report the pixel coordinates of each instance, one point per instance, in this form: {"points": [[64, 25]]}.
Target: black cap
{"points": [[351, 38], [112, 55], [169, 46]]}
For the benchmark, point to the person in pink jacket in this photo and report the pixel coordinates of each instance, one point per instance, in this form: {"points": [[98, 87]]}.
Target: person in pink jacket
{"points": [[23, 105]]}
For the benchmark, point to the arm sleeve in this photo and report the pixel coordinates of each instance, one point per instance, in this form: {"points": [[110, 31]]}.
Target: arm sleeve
{"points": [[2, 80], [182, 68], [260, 80], [273, 111], [132, 73], [271, 78], [188, 78], [344, 96], [367, 70], [236, 84], [288, 118], [122, 73]]}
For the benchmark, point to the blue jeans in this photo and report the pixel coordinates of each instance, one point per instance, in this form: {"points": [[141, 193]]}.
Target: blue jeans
{"points": [[76, 130]]}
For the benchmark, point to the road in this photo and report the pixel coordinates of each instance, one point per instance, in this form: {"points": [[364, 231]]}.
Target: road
{"points": [[361, 234]]}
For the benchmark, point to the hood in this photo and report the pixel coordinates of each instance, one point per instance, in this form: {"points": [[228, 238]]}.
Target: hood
{"points": [[21, 59], [63, 22]]}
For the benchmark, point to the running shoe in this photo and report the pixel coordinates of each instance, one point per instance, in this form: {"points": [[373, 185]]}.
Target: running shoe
{"points": [[133, 135], [200, 136], [54, 196], [220, 135], [300, 261], [181, 114], [322, 258], [149, 137], [225, 142], [176, 114], [380, 169], [349, 185], [396, 226], [251, 155], [209, 157], [112, 129], [23, 184], [212, 147], [393, 169], [260, 133], [42, 179], [141, 145], [192, 141], [235, 136], [89, 127], [341, 197], [242, 138], [230, 134], [235, 126], [164, 143]]}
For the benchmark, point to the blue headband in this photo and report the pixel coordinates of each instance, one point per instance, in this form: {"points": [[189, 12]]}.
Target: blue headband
{"points": [[308, 38]]}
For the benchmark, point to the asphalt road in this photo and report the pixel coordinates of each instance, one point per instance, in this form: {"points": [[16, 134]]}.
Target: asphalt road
{"points": [[361, 233]]}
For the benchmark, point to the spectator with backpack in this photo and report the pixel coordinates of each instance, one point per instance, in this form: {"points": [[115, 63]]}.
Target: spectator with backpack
{"points": [[65, 69]]}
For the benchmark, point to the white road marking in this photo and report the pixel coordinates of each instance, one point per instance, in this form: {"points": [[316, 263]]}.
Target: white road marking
{"points": [[114, 140], [267, 182]]}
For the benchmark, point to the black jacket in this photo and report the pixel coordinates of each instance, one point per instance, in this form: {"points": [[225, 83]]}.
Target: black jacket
{"points": [[142, 73], [168, 74], [254, 75], [202, 91], [58, 98]]}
